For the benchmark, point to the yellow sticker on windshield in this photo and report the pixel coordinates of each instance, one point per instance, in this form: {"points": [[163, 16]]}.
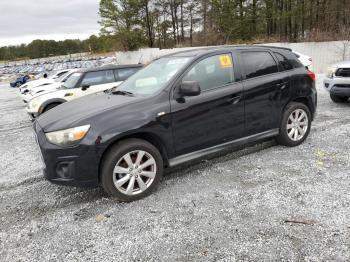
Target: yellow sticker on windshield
{"points": [[225, 61]]}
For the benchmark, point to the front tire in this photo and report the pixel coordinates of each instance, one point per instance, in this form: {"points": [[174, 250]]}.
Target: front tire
{"points": [[295, 125], [339, 99], [131, 170]]}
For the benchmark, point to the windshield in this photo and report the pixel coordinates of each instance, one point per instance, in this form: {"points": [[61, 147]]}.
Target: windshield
{"points": [[154, 77], [63, 76], [72, 80], [51, 74]]}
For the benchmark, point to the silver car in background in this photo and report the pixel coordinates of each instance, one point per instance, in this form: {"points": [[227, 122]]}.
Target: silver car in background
{"points": [[337, 82]]}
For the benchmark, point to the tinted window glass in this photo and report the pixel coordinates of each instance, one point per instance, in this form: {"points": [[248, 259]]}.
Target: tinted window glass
{"points": [[98, 78], [294, 61], [212, 72], [283, 61], [258, 64], [124, 73]]}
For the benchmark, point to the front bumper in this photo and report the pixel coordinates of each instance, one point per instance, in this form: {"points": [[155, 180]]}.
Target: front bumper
{"points": [[74, 166], [337, 85], [32, 112], [26, 97]]}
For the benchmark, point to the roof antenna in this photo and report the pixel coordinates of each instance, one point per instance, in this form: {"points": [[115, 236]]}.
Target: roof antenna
{"points": [[140, 58]]}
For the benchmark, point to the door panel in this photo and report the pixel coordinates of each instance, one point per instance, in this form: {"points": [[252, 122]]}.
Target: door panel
{"points": [[216, 115], [97, 81], [261, 83], [211, 118], [260, 96]]}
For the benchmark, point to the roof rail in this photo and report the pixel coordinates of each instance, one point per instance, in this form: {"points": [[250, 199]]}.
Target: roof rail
{"points": [[271, 46]]}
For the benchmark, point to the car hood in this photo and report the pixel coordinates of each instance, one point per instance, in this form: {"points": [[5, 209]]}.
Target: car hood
{"points": [[343, 64], [78, 111], [47, 87], [39, 82]]}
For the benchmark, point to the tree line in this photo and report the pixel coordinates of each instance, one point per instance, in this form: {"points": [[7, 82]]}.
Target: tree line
{"points": [[169, 23], [44, 48], [131, 24]]}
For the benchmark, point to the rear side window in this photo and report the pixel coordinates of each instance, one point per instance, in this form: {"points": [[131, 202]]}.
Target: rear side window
{"points": [[258, 63], [294, 61], [98, 78], [283, 62], [123, 73], [212, 72]]}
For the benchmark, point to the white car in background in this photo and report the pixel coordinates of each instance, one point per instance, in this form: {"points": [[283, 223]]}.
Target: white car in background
{"points": [[51, 78], [79, 84], [337, 82], [45, 88], [304, 59]]}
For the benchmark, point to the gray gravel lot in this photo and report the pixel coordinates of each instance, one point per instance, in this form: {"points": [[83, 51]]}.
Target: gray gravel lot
{"points": [[264, 202]]}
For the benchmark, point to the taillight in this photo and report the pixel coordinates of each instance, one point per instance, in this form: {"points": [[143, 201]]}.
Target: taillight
{"points": [[312, 75]]}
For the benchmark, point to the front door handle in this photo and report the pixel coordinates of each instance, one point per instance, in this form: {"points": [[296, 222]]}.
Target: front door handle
{"points": [[234, 100]]}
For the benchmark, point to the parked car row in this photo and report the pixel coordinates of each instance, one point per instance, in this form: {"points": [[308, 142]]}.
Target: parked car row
{"points": [[46, 67], [75, 84], [180, 107]]}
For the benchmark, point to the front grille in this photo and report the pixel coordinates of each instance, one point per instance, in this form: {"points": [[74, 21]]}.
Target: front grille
{"points": [[343, 72]]}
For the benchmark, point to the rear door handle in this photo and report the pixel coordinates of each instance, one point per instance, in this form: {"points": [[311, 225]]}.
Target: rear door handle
{"points": [[282, 85], [235, 99]]}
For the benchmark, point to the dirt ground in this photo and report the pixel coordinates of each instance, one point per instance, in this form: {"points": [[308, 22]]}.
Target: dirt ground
{"points": [[265, 202]]}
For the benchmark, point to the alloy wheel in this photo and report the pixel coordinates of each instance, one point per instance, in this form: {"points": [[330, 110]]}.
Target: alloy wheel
{"points": [[297, 124], [134, 172]]}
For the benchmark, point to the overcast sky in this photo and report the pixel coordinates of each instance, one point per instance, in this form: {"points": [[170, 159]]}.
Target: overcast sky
{"points": [[22, 21]]}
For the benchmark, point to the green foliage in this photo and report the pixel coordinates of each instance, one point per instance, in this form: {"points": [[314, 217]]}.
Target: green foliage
{"points": [[131, 24]]}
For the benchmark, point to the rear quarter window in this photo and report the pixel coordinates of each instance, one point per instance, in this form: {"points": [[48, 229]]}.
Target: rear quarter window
{"points": [[284, 63], [293, 59], [258, 63]]}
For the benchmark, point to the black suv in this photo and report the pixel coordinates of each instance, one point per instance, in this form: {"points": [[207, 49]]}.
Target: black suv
{"points": [[178, 108]]}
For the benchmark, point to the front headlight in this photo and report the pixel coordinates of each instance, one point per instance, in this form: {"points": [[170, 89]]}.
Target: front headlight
{"points": [[34, 102], [331, 71], [68, 136]]}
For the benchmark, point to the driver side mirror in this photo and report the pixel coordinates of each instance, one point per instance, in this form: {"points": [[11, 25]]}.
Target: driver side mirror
{"points": [[190, 88], [84, 87]]}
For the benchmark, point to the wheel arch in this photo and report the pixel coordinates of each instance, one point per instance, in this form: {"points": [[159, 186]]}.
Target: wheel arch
{"points": [[151, 138], [49, 102], [303, 100]]}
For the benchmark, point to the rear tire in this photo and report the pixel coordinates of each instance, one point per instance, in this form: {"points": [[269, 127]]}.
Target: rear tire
{"points": [[295, 125], [339, 99], [131, 170]]}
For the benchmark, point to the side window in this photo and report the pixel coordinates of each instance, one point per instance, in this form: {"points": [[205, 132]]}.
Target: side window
{"points": [[98, 78], [283, 61], [258, 63], [123, 73], [212, 72]]}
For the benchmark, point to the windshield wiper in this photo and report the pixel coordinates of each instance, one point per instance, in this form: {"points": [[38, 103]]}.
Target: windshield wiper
{"points": [[121, 92]]}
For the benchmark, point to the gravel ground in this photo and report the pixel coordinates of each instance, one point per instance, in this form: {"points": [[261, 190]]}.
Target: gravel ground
{"points": [[264, 202]]}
